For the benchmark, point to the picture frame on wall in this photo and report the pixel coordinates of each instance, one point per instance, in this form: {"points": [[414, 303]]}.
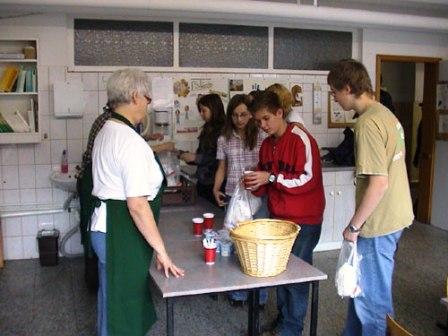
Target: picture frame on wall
{"points": [[442, 125], [337, 117]]}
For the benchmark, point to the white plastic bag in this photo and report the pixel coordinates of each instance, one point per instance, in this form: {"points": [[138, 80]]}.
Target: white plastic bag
{"points": [[242, 206], [171, 167], [348, 274]]}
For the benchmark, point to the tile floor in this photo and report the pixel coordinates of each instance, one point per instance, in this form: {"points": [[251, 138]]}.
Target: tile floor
{"points": [[53, 301]]}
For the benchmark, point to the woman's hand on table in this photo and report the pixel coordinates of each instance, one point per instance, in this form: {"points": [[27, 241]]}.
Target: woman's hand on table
{"points": [[164, 264]]}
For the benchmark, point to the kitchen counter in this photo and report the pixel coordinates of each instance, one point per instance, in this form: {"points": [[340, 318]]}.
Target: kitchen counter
{"points": [[331, 167], [326, 167]]}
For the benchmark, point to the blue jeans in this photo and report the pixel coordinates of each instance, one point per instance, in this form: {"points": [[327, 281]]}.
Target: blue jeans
{"points": [[366, 314], [292, 300], [98, 240], [242, 295]]}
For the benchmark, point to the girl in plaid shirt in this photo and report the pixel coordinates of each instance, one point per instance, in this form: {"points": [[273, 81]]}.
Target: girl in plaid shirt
{"points": [[238, 148]]}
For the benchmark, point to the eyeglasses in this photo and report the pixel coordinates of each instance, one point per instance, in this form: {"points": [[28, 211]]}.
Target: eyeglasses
{"points": [[148, 99]]}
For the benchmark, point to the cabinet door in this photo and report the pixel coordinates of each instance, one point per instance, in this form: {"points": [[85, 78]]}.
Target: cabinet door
{"points": [[327, 225], [344, 207]]}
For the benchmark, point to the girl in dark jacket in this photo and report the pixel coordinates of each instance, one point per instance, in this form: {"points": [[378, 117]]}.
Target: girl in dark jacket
{"points": [[211, 109]]}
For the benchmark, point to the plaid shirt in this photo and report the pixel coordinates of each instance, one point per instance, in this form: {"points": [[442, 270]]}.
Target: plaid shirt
{"points": [[238, 157], [96, 127]]}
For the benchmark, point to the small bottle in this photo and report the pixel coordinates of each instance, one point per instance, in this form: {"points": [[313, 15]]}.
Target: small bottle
{"points": [[64, 162]]}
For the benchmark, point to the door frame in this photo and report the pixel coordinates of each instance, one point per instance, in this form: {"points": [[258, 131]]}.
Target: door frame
{"points": [[426, 166]]}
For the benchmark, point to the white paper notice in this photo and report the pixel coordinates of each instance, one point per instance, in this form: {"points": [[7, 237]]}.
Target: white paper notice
{"points": [[162, 93]]}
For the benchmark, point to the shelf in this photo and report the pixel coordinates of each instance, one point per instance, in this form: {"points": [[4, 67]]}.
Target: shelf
{"points": [[21, 101], [14, 138], [18, 93], [17, 60]]}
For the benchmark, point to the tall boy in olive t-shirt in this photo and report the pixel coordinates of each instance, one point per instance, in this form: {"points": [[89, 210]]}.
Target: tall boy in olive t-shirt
{"points": [[383, 200]]}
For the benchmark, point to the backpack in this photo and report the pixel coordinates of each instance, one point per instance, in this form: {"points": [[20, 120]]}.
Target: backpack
{"points": [[344, 153]]}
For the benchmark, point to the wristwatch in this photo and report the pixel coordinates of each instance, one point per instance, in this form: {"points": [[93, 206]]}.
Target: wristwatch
{"points": [[353, 229], [272, 178]]}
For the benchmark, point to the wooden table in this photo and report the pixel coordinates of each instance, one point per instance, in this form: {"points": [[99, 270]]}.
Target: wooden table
{"points": [[225, 275]]}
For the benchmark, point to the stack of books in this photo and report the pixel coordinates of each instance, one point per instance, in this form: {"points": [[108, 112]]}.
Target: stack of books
{"points": [[18, 79], [11, 55]]}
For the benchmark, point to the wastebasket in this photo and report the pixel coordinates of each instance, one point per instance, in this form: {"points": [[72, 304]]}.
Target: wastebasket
{"points": [[48, 247]]}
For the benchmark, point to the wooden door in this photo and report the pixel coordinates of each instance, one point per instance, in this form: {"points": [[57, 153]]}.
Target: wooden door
{"points": [[426, 165]]}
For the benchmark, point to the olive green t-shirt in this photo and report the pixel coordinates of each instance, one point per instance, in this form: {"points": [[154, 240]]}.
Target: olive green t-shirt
{"points": [[380, 150]]}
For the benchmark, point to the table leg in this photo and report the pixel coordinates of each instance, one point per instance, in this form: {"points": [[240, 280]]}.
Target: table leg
{"points": [[170, 316], [254, 310], [314, 307]]}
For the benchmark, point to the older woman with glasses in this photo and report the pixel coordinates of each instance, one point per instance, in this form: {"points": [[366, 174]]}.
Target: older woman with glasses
{"points": [[127, 180]]}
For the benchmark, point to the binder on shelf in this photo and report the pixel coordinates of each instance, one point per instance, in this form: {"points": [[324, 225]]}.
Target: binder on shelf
{"points": [[21, 80], [8, 78], [33, 81], [16, 121], [29, 81]]}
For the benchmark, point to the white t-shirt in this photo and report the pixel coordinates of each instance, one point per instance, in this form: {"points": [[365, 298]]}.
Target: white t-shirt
{"points": [[123, 165]]}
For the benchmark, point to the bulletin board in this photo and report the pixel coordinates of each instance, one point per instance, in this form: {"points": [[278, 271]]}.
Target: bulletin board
{"points": [[442, 110], [337, 117], [187, 120]]}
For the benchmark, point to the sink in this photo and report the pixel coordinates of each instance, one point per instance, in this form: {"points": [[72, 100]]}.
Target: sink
{"points": [[63, 181]]}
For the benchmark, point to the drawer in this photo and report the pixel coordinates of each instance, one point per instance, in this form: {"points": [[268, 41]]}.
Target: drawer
{"points": [[328, 178], [345, 177]]}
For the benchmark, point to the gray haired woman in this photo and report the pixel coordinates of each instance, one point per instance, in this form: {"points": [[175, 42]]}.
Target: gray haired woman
{"points": [[127, 184]]}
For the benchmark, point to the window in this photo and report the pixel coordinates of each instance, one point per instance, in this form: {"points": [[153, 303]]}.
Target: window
{"points": [[126, 43]]}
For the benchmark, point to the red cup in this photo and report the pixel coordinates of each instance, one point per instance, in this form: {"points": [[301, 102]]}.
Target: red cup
{"points": [[197, 226], [209, 220], [210, 255]]}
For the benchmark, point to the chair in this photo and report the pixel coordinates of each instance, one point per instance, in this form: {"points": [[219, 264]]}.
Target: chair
{"points": [[394, 329]]}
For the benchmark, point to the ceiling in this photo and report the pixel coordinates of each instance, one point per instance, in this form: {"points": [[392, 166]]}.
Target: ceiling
{"points": [[434, 8], [427, 8]]}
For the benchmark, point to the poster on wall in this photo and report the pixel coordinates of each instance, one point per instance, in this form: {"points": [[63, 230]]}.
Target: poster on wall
{"points": [[337, 117], [187, 120], [442, 95]]}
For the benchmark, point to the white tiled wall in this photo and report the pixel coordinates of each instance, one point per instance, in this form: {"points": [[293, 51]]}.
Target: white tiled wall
{"points": [[25, 169]]}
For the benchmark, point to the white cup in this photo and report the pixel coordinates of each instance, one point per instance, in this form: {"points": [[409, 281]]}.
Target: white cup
{"points": [[247, 172]]}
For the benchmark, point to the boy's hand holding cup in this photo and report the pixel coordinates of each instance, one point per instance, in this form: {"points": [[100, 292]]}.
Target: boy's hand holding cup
{"points": [[254, 180]]}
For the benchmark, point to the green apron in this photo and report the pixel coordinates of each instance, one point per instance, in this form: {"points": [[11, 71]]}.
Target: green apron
{"points": [[130, 309]]}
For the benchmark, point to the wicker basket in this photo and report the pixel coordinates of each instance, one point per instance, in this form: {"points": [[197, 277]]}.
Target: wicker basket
{"points": [[264, 245]]}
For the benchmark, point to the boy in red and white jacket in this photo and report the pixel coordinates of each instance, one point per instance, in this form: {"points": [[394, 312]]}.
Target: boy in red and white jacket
{"points": [[289, 172]]}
